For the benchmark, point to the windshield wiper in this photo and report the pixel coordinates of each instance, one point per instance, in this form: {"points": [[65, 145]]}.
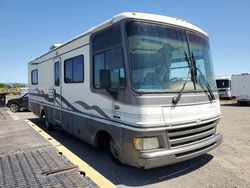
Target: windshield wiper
{"points": [[192, 65], [177, 99], [211, 95]]}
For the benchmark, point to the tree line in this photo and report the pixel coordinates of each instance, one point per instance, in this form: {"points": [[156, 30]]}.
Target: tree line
{"points": [[13, 85]]}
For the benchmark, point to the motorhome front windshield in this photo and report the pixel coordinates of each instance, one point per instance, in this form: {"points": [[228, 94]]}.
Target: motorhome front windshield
{"points": [[222, 84], [158, 62]]}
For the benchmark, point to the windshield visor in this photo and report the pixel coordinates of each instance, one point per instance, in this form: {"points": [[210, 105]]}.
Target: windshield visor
{"points": [[157, 58]]}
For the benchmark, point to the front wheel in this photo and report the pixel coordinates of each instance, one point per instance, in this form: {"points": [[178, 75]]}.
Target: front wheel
{"points": [[14, 107], [113, 151]]}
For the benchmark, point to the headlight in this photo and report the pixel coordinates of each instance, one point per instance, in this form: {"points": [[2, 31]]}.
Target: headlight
{"points": [[145, 143]]}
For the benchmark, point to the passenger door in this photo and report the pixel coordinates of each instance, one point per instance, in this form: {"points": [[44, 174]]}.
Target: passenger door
{"points": [[24, 101], [57, 91]]}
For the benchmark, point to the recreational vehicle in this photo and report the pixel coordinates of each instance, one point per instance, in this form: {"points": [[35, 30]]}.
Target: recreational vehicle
{"points": [[224, 86], [241, 87], [140, 84]]}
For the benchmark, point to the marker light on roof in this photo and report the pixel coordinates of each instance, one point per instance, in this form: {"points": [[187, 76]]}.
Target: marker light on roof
{"points": [[134, 13]]}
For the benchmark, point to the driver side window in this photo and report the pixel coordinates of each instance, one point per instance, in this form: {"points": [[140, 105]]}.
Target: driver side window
{"points": [[108, 54]]}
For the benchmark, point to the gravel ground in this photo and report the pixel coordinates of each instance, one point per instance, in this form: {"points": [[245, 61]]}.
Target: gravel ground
{"points": [[226, 166], [230, 165], [233, 156]]}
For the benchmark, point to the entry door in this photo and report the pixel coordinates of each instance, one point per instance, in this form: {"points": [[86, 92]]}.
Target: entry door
{"points": [[57, 91]]}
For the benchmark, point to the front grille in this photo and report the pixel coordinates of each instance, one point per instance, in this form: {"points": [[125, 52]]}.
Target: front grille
{"points": [[222, 90], [183, 136], [194, 151]]}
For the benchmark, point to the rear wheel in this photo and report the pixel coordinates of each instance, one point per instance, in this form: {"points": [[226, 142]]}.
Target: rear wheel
{"points": [[14, 107], [49, 126], [242, 102]]}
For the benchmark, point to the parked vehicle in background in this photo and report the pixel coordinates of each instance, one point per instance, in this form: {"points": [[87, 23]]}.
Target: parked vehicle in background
{"points": [[2, 99], [18, 104], [224, 86], [24, 90], [141, 84], [241, 87]]}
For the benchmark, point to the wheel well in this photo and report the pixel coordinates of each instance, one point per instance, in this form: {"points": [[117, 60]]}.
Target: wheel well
{"points": [[102, 139], [14, 103], [42, 114]]}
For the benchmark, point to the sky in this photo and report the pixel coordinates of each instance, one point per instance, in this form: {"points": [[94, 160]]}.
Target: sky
{"points": [[28, 28]]}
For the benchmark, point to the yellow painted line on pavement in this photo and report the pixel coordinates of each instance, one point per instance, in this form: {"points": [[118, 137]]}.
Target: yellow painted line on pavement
{"points": [[99, 179]]}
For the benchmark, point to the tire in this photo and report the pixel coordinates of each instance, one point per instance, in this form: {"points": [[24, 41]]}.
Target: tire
{"points": [[48, 126], [242, 103], [14, 107], [113, 151]]}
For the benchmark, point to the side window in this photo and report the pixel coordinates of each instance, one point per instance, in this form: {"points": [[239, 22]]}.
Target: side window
{"points": [[74, 70], [108, 54], [57, 73], [114, 62], [34, 77], [98, 65]]}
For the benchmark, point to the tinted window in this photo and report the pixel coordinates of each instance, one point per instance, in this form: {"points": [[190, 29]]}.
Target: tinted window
{"points": [[108, 54], [74, 70], [68, 69], [34, 77], [98, 65], [223, 83], [113, 61], [199, 47], [107, 39], [57, 73], [158, 61], [77, 72], [157, 57]]}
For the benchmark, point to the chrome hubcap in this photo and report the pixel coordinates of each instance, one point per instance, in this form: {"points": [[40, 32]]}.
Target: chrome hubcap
{"points": [[13, 107]]}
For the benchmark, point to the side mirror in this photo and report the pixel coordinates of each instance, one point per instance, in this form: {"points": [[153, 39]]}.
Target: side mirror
{"points": [[105, 79]]}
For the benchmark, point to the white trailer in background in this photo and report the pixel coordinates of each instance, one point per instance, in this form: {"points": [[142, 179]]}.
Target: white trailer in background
{"points": [[241, 87], [224, 86]]}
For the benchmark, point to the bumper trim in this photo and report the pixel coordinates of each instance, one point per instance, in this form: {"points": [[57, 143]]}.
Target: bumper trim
{"points": [[217, 139]]}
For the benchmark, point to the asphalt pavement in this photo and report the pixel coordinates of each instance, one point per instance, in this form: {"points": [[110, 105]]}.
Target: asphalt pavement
{"points": [[226, 166], [28, 160]]}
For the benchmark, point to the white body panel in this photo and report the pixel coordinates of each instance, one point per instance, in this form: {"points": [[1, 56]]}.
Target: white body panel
{"points": [[241, 87]]}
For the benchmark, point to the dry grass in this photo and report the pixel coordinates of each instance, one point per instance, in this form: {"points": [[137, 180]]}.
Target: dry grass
{"points": [[11, 91]]}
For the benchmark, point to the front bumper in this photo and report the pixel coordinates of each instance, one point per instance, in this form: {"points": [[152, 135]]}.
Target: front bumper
{"points": [[165, 157], [225, 94]]}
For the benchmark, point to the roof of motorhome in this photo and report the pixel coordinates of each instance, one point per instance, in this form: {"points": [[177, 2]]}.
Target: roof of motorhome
{"points": [[158, 18], [225, 77], [135, 15]]}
